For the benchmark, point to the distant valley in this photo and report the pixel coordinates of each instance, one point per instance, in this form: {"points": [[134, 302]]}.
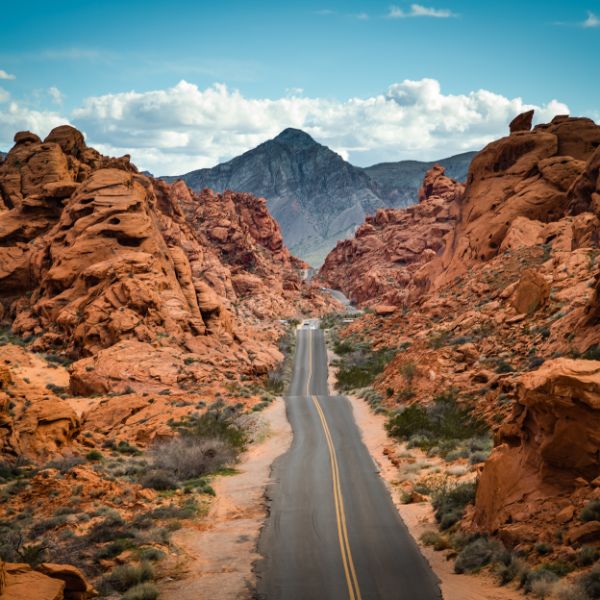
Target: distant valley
{"points": [[317, 197]]}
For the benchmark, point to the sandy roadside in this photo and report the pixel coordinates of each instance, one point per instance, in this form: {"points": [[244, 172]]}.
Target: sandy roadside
{"points": [[218, 552], [419, 517]]}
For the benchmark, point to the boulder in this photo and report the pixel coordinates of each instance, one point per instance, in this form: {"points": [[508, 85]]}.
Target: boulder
{"points": [[531, 292], [549, 445], [522, 122]]}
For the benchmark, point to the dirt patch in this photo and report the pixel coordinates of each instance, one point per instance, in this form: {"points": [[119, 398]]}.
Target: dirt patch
{"points": [[419, 517], [217, 554]]}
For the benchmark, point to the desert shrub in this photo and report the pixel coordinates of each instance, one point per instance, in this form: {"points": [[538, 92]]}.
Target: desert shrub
{"points": [[592, 353], [566, 590], [591, 511], [218, 423], [65, 464], [475, 555], [110, 528], [172, 511], [538, 578], [504, 367], [188, 457], [590, 582], [542, 548], [508, 568], [113, 549], [39, 528], [142, 591], [359, 368], [10, 470], [151, 554], [439, 339], [435, 539], [587, 556], [449, 503], [159, 480], [408, 371], [439, 425], [124, 577], [94, 455], [342, 347]]}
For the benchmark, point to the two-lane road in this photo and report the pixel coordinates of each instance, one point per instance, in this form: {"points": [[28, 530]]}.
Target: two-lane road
{"points": [[333, 531]]}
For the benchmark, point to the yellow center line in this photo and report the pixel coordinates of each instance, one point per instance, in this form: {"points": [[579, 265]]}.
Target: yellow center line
{"points": [[348, 562]]}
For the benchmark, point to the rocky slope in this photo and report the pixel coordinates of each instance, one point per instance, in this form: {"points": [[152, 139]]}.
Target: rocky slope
{"points": [[504, 319], [316, 196], [140, 283], [382, 263]]}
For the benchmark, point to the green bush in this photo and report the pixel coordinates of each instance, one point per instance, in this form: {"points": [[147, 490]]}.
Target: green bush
{"points": [[440, 424], [142, 591], [475, 555], [124, 577], [532, 579], [590, 582], [358, 369], [449, 503], [591, 512]]}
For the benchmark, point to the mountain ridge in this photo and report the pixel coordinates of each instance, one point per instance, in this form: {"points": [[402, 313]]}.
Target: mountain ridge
{"points": [[317, 197]]}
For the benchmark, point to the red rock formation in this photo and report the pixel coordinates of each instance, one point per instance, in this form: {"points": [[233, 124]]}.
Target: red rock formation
{"points": [[547, 459], [387, 261], [522, 122], [528, 174], [147, 284]]}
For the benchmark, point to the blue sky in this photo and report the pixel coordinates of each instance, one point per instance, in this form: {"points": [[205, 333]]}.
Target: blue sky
{"points": [[292, 63]]}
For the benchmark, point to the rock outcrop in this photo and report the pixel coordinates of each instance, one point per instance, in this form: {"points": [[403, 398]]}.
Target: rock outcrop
{"points": [[141, 283], [388, 259], [48, 581], [546, 460], [539, 175]]}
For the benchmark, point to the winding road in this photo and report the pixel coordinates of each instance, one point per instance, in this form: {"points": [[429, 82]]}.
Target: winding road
{"points": [[333, 531]]}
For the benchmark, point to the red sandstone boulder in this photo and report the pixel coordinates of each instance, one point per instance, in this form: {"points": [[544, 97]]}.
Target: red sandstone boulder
{"points": [[551, 443], [522, 122]]}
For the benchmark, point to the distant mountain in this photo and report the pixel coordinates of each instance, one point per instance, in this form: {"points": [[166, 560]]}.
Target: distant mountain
{"points": [[399, 182], [2, 155], [316, 196]]}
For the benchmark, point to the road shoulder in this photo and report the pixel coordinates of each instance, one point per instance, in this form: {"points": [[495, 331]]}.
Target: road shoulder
{"points": [[217, 554]]}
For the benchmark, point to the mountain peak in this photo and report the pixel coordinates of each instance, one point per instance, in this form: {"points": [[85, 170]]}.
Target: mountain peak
{"points": [[295, 137]]}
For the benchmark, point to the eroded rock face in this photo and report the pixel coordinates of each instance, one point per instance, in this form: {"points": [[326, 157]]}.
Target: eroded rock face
{"points": [[529, 174], [34, 421], [548, 450], [48, 581], [387, 261], [145, 285]]}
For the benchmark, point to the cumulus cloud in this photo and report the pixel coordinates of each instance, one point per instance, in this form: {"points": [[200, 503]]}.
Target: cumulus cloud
{"points": [[591, 21], [418, 10], [17, 117], [174, 130], [5, 75]]}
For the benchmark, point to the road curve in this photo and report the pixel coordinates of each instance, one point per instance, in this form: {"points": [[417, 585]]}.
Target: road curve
{"points": [[333, 531]]}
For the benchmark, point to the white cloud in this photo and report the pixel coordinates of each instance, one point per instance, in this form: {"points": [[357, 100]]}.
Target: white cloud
{"points": [[591, 21], [4, 95], [362, 16], [56, 95], [418, 10], [294, 91], [17, 117], [175, 130], [5, 75]]}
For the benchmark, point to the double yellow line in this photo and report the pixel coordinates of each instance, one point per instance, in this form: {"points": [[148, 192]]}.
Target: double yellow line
{"points": [[349, 570]]}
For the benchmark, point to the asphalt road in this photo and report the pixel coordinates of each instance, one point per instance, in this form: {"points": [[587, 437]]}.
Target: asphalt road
{"points": [[333, 531]]}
